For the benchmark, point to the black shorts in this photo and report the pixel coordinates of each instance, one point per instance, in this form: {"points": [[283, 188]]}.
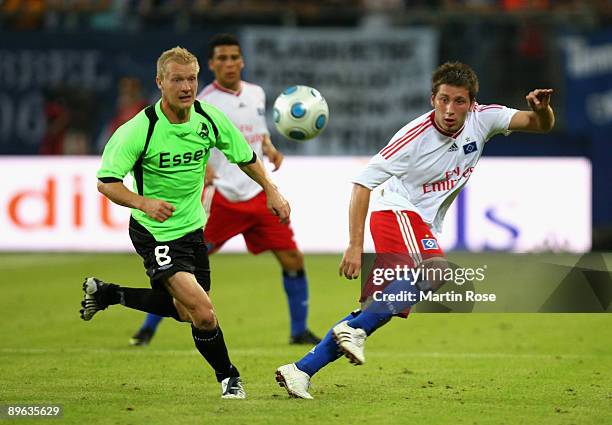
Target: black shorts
{"points": [[163, 259]]}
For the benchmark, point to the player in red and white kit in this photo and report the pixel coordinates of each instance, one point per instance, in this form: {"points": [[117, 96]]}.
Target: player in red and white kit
{"points": [[234, 204], [425, 165]]}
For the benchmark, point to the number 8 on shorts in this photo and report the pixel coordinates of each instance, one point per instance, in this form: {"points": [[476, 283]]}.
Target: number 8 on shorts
{"points": [[161, 255]]}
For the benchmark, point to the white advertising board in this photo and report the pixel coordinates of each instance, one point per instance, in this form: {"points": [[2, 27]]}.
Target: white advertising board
{"points": [[510, 204]]}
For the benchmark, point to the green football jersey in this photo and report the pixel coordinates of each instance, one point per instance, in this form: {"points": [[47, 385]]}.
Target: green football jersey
{"points": [[171, 165]]}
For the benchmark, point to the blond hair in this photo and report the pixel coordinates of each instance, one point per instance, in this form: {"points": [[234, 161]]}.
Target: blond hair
{"points": [[177, 54]]}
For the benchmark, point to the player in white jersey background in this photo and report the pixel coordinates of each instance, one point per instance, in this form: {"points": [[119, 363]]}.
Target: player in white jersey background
{"points": [[237, 206], [425, 165]]}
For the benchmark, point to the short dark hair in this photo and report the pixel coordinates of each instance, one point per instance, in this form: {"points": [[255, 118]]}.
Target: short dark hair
{"points": [[221, 40], [455, 74]]}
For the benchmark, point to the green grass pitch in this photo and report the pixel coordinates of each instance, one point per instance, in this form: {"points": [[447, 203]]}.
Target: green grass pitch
{"points": [[430, 369]]}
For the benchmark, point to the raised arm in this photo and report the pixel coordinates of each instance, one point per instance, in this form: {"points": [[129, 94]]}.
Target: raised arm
{"points": [[117, 192], [541, 118], [358, 210], [275, 201]]}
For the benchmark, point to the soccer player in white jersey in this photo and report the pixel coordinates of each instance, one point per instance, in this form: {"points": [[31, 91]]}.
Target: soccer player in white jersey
{"points": [[425, 165], [236, 205]]}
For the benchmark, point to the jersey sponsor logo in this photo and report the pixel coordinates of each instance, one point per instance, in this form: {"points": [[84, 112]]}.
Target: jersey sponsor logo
{"points": [[450, 180], [166, 160], [439, 186], [470, 148], [429, 244], [203, 131], [453, 147]]}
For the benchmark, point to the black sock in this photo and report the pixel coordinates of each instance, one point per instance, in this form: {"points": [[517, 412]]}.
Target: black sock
{"points": [[147, 300], [211, 346], [110, 294]]}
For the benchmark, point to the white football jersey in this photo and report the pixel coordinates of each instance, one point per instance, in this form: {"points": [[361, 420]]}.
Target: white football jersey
{"points": [[246, 108], [427, 167]]}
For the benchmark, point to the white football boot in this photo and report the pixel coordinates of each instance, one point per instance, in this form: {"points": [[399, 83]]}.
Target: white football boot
{"points": [[232, 388], [295, 381], [93, 289], [351, 342]]}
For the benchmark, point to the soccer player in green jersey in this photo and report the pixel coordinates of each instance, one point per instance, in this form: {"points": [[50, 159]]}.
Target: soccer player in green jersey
{"points": [[165, 147]]}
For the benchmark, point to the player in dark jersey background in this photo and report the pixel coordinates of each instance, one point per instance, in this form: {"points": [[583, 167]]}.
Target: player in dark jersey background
{"points": [[165, 147]]}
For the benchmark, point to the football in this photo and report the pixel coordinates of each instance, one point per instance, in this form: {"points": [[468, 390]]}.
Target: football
{"points": [[300, 113]]}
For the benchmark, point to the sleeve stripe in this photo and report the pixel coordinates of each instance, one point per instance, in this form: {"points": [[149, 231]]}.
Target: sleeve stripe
{"points": [[109, 179], [485, 107], [252, 160], [405, 141], [406, 135]]}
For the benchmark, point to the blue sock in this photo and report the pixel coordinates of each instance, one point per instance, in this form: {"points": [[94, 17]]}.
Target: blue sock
{"points": [[368, 320], [296, 287], [380, 311], [322, 354], [151, 321]]}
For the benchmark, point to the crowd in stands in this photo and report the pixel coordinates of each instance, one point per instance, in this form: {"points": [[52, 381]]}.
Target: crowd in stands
{"points": [[520, 40], [70, 116], [187, 14]]}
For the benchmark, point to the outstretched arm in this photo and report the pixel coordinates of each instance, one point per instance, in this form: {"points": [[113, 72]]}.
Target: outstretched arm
{"points": [[275, 201], [358, 210], [541, 118], [155, 208]]}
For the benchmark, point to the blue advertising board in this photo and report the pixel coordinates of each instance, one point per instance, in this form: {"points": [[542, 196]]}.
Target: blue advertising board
{"points": [[82, 68], [588, 77]]}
